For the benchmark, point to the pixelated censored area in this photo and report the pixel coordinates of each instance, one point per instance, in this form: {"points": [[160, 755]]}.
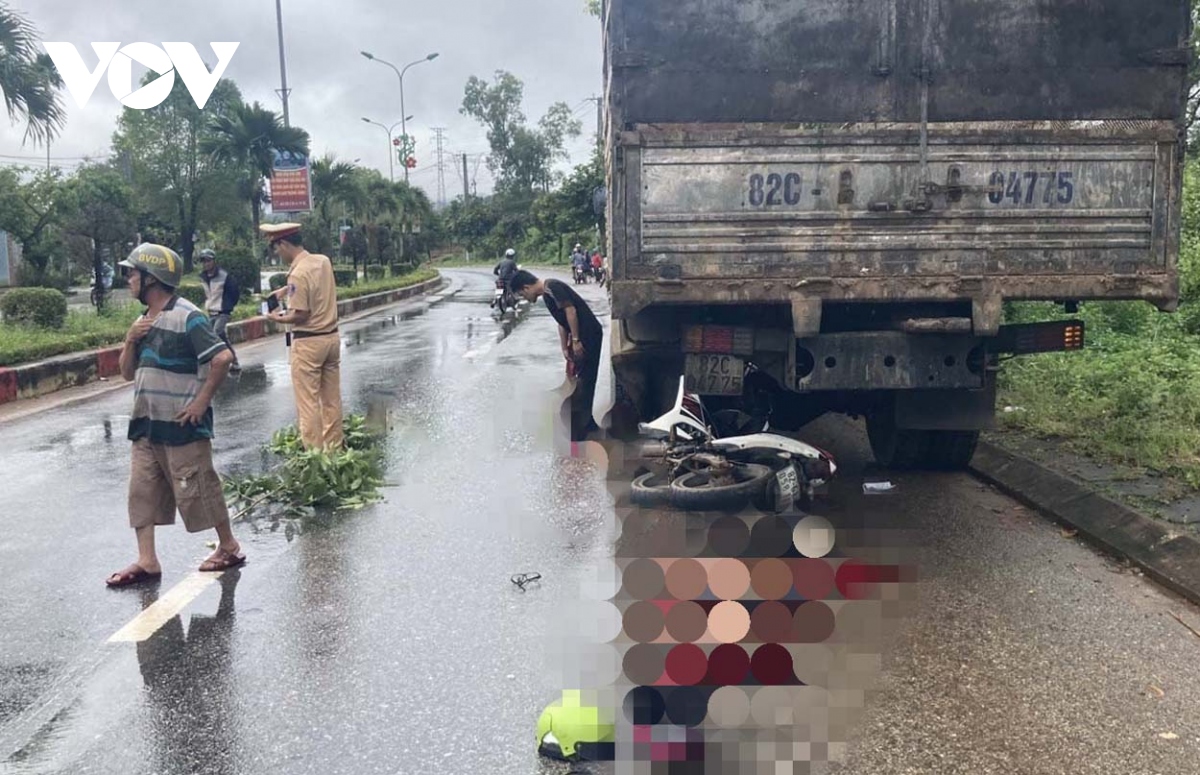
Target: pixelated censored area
{"points": [[742, 642]]}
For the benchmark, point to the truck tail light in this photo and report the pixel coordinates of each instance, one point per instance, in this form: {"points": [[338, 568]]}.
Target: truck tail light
{"points": [[1028, 338], [724, 340]]}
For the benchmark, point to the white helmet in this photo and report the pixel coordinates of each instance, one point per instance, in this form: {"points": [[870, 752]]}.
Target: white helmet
{"points": [[509, 253]]}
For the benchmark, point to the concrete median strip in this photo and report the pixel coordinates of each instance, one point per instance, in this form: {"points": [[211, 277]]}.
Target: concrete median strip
{"points": [[66, 371], [1169, 557]]}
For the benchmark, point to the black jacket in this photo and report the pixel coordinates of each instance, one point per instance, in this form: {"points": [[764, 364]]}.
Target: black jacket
{"points": [[505, 269]]}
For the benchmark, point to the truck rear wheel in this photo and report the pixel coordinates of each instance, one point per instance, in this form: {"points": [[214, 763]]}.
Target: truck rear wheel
{"points": [[907, 449], [951, 450], [894, 447]]}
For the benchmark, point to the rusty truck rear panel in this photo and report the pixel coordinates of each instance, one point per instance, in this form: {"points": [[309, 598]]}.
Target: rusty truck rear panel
{"points": [[1037, 211], [888, 151], [833, 61]]}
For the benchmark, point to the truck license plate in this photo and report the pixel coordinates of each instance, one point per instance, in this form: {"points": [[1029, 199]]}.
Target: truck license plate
{"points": [[719, 375]]}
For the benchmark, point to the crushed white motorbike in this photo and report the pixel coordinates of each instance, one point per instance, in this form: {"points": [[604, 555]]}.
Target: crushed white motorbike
{"points": [[693, 469]]}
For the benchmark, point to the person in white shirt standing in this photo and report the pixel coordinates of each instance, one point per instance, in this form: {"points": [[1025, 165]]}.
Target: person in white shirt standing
{"points": [[223, 295]]}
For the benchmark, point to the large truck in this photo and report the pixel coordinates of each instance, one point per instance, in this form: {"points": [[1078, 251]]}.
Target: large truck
{"points": [[841, 195]]}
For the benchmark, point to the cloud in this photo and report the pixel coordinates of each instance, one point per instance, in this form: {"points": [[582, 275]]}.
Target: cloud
{"points": [[551, 45]]}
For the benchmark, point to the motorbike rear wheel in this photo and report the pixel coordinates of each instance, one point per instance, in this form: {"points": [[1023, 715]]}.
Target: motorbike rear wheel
{"points": [[699, 490]]}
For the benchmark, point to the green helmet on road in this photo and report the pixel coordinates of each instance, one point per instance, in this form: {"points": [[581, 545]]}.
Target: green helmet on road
{"points": [[158, 261], [572, 730]]}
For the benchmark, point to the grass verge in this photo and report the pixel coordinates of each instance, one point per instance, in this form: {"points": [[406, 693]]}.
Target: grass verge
{"points": [[1132, 396]]}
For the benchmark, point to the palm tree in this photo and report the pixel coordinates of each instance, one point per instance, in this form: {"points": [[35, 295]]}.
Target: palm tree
{"points": [[416, 211], [333, 181], [373, 200], [247, 139], [28, 80]]}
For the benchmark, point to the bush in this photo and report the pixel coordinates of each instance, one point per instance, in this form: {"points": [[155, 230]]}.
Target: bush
{"points": [[43, 307], [194, 293], [390, 284], [1189, 318], [375, 272], [29, 276], [277, 280], [344, 277]]}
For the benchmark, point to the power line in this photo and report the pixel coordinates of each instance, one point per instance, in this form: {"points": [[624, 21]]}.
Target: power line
{"points": [[74, 165], [40, 159]]}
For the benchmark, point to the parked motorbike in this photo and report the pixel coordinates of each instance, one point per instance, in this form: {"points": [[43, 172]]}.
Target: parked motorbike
{"points": [[693, 467]]}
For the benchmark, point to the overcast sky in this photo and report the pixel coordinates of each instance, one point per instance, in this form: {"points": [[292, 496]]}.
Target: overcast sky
{"points": [[553, 46]]}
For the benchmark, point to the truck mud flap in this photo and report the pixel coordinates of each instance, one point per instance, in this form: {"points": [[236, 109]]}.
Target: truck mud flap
{"points": [[949, 410]]}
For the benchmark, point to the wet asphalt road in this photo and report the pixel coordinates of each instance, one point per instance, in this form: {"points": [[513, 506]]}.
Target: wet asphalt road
{"points": [[1026, 651], [391, 640], [388, 640]]}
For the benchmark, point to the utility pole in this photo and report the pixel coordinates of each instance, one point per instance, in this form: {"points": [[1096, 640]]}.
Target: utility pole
{"points": [[474, 173], [466, 181], [440, 134], [283, 91], [126, 162]]}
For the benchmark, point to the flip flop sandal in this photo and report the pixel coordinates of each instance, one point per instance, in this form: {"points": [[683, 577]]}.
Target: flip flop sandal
{"points": [[222, 560], [134, 574]]}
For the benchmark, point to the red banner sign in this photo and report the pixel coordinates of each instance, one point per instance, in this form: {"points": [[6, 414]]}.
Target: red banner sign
{"points": [[291, 184]]}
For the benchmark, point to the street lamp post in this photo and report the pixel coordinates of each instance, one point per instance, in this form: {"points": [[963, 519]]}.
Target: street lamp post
{"points": [[386, 128], [400, 75]]}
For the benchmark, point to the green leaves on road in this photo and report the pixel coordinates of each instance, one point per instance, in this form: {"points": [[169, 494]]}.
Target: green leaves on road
{"points": [[310, 480]]}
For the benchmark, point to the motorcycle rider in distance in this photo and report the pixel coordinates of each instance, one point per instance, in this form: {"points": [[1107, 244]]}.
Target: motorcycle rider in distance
{"points": [[579, 263], [507, 266], [504, 272], [598, 267]]}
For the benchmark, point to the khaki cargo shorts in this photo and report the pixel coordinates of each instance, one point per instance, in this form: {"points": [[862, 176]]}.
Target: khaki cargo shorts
{"points": [[164, 478]]}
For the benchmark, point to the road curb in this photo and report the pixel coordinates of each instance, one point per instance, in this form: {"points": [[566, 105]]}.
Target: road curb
{"points": [[1170, 558], [33, 380]]}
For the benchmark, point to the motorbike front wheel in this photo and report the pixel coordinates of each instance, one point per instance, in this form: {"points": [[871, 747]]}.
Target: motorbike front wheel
{"points": [[700, 491], [650, 490]]}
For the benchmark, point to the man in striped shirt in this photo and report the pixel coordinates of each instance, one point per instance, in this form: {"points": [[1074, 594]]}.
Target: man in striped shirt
{"points": [[176, 363]]}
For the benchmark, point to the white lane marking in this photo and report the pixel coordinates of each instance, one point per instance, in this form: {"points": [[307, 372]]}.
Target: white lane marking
{"points": [[175, 600]]}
